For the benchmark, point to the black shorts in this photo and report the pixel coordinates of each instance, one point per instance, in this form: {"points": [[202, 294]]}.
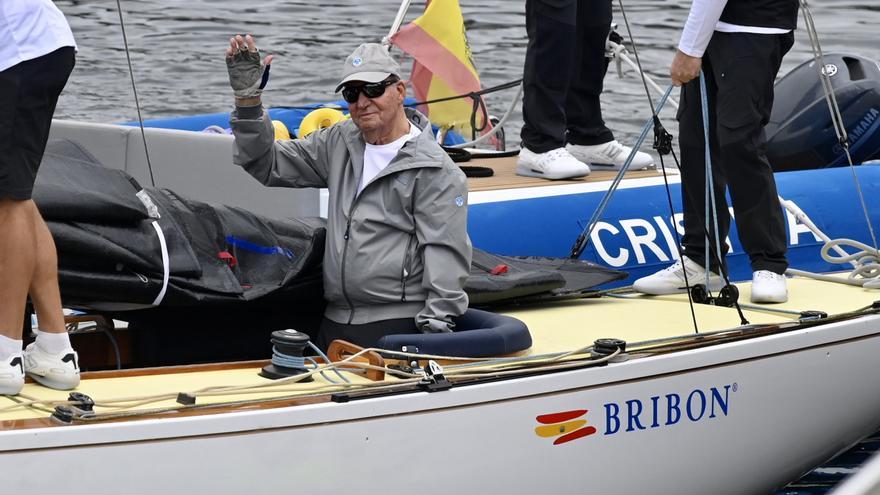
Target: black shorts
{"points": [[28, 94]]}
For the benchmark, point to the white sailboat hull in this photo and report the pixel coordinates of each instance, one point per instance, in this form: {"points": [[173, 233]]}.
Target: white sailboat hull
{"points": [[742, 417]]}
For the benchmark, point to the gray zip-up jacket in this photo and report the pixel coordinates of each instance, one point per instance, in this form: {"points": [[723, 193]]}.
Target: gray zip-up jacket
{"points": [[398, 249]]}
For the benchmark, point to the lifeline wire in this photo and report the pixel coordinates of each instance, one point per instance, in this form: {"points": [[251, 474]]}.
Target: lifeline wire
{"points": [[638, 62], [834, 108], [134, 89]]}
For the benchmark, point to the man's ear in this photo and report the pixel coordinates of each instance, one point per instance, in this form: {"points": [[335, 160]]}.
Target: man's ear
{"points": [[401, 90]]}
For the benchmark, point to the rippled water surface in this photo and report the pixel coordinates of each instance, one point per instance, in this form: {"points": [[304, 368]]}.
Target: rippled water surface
{"points": [[177, 51]]}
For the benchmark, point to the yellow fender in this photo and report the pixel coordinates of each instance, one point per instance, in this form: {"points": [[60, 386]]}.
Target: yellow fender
{"points": [[281, 131], [319, 119]]}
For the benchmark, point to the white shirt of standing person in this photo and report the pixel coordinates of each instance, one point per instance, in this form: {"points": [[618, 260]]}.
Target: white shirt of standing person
{"points": [[703, 20], [378, 156], [30, 29]]}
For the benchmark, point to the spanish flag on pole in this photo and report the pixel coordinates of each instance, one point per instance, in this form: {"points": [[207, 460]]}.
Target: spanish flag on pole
{"points": [[443, 65]]}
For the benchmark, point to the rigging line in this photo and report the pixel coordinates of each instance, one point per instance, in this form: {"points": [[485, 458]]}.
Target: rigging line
{"points": [[632, 41], [658, 129], [499, 126], [134, 89], [710, 183], [678, 239], [472, 94], [834, 108], [619, 51], [584, 238], [723, 273]]}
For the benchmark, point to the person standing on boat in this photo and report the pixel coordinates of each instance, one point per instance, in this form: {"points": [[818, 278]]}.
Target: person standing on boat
{"points": [[563, 134], [36, 58], [739, 45], [397, 251]]}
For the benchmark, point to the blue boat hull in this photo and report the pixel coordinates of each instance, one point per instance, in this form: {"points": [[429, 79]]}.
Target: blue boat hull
{"points": [[636, 235]]}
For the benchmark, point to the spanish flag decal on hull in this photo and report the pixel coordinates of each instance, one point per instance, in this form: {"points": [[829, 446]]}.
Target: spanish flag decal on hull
{"points": [[564, 425]]}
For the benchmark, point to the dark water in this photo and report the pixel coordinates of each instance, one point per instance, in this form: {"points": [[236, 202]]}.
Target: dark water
{"points": [[177, 53]]}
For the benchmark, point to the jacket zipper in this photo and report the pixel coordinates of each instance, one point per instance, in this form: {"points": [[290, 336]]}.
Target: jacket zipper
{"points": [[342, 276], [404, 274], [406, 260]]}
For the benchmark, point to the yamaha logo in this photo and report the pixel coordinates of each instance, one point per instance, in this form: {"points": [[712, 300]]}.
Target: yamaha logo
{"points": [[829, 70]]}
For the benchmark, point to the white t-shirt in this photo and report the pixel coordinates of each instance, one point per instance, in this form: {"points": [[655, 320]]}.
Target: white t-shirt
{"points": [[31, 29], [703, 20], [378, 156]]}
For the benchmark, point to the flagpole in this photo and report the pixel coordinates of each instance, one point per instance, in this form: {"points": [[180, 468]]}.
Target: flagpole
{"points": [[398, 20]]}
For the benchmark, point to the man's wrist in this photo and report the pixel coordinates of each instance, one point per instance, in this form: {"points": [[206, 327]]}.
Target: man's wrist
{"points": [[688, 52], [248, 102]]}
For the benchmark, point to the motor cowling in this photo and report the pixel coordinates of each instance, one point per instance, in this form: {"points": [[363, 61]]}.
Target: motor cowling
{"points": [[800, 134]]}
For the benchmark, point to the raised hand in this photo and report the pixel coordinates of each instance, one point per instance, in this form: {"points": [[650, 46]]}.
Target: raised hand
{"points": [[247, 75]]}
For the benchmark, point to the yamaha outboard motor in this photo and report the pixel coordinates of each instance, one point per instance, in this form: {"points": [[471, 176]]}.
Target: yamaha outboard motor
{"points": [[800, 134]]}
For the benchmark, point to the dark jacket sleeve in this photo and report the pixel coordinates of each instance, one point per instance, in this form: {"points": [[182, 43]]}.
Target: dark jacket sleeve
{"points": [[293, 163], [441, 229]]}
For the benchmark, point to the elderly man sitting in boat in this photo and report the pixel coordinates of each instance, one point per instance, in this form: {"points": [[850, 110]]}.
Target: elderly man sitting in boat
{"points": [[397, 251]]}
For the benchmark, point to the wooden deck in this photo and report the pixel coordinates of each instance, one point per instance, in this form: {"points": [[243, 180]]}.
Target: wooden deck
{"points": [[505, 176]]}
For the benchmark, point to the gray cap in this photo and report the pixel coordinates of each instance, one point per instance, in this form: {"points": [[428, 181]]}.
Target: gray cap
{"points": [[369, 63]]}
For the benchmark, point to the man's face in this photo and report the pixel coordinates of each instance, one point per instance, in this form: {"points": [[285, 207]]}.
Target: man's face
{"points": [[371, 114]]}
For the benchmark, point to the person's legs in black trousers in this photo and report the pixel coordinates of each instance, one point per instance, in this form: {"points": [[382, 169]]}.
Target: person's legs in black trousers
{"points": [[583, 110], [548, 71], [742, 141], [741, 69]]}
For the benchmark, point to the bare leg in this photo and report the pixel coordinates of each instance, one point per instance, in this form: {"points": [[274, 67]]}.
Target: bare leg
{"points": [[17, 242], [44, 284]]}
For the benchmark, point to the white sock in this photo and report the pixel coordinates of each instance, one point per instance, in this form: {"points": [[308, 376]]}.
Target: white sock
{"points": [[53, 343], [8, 347]]}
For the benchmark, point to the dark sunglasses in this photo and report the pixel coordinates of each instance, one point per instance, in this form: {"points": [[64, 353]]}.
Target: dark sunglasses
{"points": [[371, 90]]}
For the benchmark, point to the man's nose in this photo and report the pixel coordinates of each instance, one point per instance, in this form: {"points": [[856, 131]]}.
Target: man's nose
{"points": [[363, 100]]}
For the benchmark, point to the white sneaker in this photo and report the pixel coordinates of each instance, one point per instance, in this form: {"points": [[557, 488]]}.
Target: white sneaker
{"points": [[11, 375], [554, 164], [59, 371], [671, 279], [610, 156], [768, 287]]}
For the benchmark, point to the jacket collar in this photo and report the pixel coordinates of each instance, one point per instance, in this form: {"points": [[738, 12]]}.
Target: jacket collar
{"points": [[410, 156]]}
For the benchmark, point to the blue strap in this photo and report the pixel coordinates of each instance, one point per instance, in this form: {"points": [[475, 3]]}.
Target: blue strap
{"points": [[256, 248], [265, 78]]}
